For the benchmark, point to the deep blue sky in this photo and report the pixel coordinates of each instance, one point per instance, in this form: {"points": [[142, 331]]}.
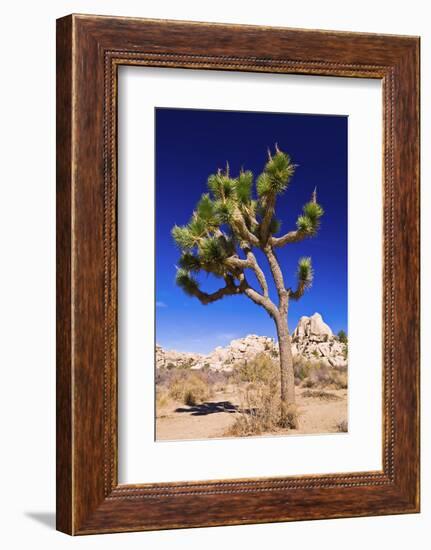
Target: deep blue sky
{"points": [[190, 145]]}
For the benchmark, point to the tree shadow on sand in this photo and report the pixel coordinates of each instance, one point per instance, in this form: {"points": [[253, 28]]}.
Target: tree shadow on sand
{"points": [[209, 408]]}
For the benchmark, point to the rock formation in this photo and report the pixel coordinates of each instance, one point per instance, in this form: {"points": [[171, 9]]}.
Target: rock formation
{"points": [[312, 328], [237, 351], [312, 339], [171, 358]]}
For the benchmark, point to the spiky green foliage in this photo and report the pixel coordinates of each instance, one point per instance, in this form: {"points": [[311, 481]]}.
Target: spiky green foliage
{"points": [[280, 167], [314, 211], [305, 272], [185, 281], [206, 210], [197, 227], [224, 210], [221, 185], [304, 224], [190, 262], [215, 185], [309, 221], [263, 184], [183, 237], [243, 186], [276, 175], [211, 250]]}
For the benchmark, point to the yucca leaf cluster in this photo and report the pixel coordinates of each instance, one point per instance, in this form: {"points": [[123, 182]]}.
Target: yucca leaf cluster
{"points": [[305, 272], [276, 176], [309, 221], [185, 281]]}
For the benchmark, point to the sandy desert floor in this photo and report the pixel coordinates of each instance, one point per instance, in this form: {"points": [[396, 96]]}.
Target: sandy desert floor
{"points": [[319, 412]]}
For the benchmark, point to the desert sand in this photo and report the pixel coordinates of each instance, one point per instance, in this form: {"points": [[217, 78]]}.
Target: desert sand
{"points": [[320, 411]]}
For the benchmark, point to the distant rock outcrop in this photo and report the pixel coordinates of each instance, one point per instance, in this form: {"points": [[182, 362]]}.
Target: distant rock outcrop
{"points": [[312, 328], [171, 358], [312, 339], [237, 351]]}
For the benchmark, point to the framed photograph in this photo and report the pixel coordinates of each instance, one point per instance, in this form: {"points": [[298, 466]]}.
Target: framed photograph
{"points": [[237, 274]]}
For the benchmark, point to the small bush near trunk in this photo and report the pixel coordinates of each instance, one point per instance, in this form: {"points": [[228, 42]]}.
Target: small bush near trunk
{"points": [[259, 380]]}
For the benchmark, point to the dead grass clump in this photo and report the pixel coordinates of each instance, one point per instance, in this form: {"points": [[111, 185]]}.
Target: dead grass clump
{"points": [[162, 398], [301, 368], [340, 378], [318, 374], [321, 394], [258, 381], [191, 389]]}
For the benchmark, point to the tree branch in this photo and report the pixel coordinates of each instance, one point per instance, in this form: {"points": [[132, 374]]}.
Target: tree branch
{"points": [[260, 300], [230, 289], [269, 214], [234, 262], [251, 263], [252, 218], [278, 280], [257, 298], [243, 230], [290, 237], [299, 292], [305, 278], [258, 271], [307, 223]]}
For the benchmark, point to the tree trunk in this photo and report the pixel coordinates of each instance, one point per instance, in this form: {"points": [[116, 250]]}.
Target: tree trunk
{"points": [[287, 378]]}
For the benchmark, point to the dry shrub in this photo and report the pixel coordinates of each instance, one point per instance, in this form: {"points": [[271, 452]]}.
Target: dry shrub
{"points": [[301, 368], [321, 394], [318, 374], [162, 398], [189, 389], [262, 369], [165, 376], [260, 412], [342, 426], [218, 381], [289, 418], [340, 378]]}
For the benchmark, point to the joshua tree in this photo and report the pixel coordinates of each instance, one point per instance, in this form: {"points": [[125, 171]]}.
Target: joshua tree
{"points": [[224, 230]]}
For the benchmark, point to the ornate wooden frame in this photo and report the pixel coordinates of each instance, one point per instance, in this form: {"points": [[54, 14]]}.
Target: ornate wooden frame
{"points": [[89, 51]]}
